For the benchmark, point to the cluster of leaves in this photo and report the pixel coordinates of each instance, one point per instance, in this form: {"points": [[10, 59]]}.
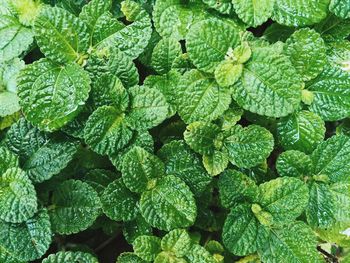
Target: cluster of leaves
{"points": [[170, 122]]}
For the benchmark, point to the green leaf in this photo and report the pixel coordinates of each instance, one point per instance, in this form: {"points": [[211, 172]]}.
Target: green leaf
{"points": [[164, 54], [224, 6], [215, 163], [29, 240], [61, 36], [106, 131], [202, 137], [99, 179], [147, 247], [169, 205], [320, 210], [198, 254], [254, 13], [135, 228], [300, 12], [301, 131], [294, 164], [331, 94], [15, 39], [235, 187], [9, 103], [332, 158], [242, 231], [285, 198], [227, 73], [128, 257], [339, 54], [148, 108], [247, 147], [51, 95], [118, 202], [178, 242], [269, 85], [75, 206], [7, 160], [141, 170], [69, 256], [334, 27], [293, 243], [168, 257], [340, 8], [307, 52], [182, 162], [209, 41], [200, 98], [18, 200]]}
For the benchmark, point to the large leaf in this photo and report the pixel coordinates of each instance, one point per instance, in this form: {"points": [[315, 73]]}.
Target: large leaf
{"points": [[70, 256], [169, 205], [50, 94], [60, 35], [75, 206]]}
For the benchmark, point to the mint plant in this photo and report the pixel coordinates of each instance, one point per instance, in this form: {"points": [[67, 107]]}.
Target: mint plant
{"points": [[174, 131]]}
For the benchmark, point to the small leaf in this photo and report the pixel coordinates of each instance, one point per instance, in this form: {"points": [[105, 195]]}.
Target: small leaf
{"points": [[128, 257], [147, 247], [198, 254], [215, 163], [178, 242], [294, 164], [69, 256], [227, 73]]}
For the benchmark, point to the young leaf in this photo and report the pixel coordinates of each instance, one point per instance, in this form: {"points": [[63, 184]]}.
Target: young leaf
{"points": [[216, 162], [294, 164], [178, 242], [69, 256], [128, 257], [227, 73], [147, 247]]}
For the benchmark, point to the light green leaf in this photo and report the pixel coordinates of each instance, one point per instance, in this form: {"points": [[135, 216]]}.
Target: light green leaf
{"points": [[227, 73], [128, 257], [307, 52], [247, 147], [300, 12], [106, 131], [61, 36], [29, 240], [293, 243], [320, 210], [224, 6], [285, 198], [294, 164], [15, 39], [7, 160], [340, 8], [164, 54], [332, 158], [147, 247], [215, 163], [178, 242], [301, 131], [331, 94], [168, 257], [18, 200], [231, 117], [182, 162], [9, 103], [339, 54], [235, 187], [198, 254], [69, 256], [209, 41], [169, 205], [118, 202], [51, 95], [200, 98], [75, 206], [254, 13], [269, 84], [141, 170]]}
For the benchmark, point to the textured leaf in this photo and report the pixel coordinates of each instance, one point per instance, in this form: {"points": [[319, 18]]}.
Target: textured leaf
{"points": [[334, 27], [224, 6], [168, 257], [147, 247], [18, 200], [135, 228], [254, 13], [200, 98], [331, 94], [69, 256], [51, 95], [15, 39], [169, 205], [307, 52], [339, 54], [341, 200], [29, 240], [209, 41], [285, 198], [227, 73], [181, 162], [75, 206], [340, 8], [141, 170], [198, 254], [99, 179], [164, 54], [293, 243], [178, 242], [118, 202], [294, 164], [201, 137], [235, 187], [300, 12], [148, 108], [106, 131], [332, 158], [247, 147], [242, 231], [301, 131], [128, 257], [215, 163], [269, 84], [7, 160], [320, 210], [60, 35]]}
